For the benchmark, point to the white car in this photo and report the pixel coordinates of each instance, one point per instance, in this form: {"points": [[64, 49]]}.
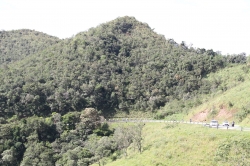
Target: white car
{"points": [[214, 123], [225, 123]]}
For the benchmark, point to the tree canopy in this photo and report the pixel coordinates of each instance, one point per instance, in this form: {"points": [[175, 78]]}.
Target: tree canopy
{"points": [[17, 44], [53, 92], [121, 65]]}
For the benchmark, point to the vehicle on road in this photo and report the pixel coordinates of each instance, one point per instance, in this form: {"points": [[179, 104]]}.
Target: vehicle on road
{"points": [[214, 123], [225, 123]]}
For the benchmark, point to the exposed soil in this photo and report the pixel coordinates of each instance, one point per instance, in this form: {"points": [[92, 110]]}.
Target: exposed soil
{"points": [[201, 116], [223, 114]]}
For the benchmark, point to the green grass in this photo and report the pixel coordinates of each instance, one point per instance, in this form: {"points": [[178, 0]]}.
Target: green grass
{"points": [[233, 99], [177, 144], [233, 96], [231, 76]]}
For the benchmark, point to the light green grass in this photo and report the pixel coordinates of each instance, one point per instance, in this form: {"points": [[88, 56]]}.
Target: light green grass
{"points": [[238, 96], [230, 75], [178, 144], [233, 99]]}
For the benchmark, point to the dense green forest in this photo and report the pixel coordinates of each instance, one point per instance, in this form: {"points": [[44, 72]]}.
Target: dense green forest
{"points": [[77, 138], [122, 65], [17, 44], [48, 86]]}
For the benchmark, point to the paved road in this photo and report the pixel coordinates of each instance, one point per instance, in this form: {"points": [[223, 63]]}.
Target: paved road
{"points": [[236, 127]]}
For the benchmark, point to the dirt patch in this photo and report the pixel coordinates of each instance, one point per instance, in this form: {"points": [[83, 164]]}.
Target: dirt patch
{"points": [[223, 114], [201, 116]]}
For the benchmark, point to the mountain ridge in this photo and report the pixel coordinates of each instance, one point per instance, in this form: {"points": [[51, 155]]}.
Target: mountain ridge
{"points": [[18, 44], [54, 102], [121, 65]]}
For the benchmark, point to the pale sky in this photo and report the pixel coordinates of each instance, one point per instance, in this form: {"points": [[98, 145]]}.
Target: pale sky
{"points": [[221, 25]]}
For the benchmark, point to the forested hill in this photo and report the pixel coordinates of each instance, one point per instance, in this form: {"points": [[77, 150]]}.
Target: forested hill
{"points": [[18, 44], [121, 65]]}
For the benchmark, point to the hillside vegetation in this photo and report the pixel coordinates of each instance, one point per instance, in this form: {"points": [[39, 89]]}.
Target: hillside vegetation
{"points": [[228, 99], [17, 44], [231, 100], [55, 95], [186, 145], [122, 65]]}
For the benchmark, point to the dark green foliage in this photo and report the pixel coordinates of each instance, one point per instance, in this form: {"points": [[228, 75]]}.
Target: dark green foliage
{"points": [[103, 130], [239, 58], [76, 156], [70, 119], [18, 135], [118, 66], [18, 44], [38, 154], [230, 104], [46, 141], [242, 114]]}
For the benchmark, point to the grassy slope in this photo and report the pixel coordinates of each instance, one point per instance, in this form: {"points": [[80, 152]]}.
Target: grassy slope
{"points": [[183, 144], [231, 95], [233, 99]]}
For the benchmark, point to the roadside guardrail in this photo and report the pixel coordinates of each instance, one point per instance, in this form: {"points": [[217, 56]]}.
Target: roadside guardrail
{"points": [[236, 127]]}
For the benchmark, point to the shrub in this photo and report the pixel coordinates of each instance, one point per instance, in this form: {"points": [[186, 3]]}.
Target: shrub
{"points": [[230, 104]]}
